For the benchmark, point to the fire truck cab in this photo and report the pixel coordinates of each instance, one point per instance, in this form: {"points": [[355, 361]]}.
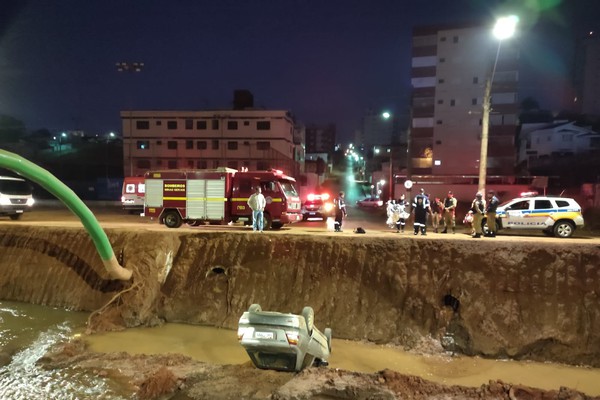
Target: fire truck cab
{"points": [[219, 196]]}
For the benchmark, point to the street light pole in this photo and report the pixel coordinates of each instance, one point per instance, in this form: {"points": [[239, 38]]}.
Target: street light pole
{"points": [[130, 67], [504, 29]]}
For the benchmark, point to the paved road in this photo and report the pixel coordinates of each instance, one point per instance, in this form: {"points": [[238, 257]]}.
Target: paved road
{"points": [[372, 221]]}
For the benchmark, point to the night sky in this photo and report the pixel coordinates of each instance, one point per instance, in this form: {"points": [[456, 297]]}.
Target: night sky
{"points": [[324, 60]]}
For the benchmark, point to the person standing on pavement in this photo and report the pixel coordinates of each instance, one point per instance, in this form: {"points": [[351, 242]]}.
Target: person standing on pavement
{"points": [[403, 214], [340, 211], [421, 208], [257, 203], [478, 208], [449, 213], [492, 205], [437, 208]]}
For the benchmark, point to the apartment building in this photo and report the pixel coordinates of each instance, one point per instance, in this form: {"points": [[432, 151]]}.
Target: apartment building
{"points": [[249, 138], [450, 66]]}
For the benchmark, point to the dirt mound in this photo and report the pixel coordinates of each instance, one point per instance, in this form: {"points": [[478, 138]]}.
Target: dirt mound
{"points": [[154, 377]]}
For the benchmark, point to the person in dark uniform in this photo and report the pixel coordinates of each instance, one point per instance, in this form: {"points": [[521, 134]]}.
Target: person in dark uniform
{"points": [[421, 208], [490, 213], [340, 211]]}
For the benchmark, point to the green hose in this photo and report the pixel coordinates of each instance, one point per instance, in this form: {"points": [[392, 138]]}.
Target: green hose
{"points": [[49, 182]]}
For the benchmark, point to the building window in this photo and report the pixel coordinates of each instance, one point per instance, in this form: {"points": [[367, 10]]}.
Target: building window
{"points": [[232, 145], [143, 144], [172, 145], [189, 144], [142, 124], [475, 79], [201, 125], [440, 101], [443, 39], [263, 145], [215, 124], [232, 125], [190, 163], [474, 101], [246, 123], [171, 125], [143, 164], [455, 39], [263, 125], [441, 80], [232, 164], [452, 103], [172, 164], [201, 164], [216, 164], [189, 124], [439, 122], [442, 59], [159, 163], [158, 123], [262, 165], [201, 145], [159, 142], [215, 145]]}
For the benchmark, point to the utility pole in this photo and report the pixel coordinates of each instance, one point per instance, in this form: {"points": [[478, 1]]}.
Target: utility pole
{"points": [[130, 67]]}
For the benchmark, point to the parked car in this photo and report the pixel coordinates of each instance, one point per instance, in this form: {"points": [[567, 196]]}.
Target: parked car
{"points": [[317, 206], [282, 341], [558, 216], [370, 202], [15, 197]]}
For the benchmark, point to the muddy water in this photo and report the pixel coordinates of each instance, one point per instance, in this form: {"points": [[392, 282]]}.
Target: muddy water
{"points": [[27, 331], [220, 346]]}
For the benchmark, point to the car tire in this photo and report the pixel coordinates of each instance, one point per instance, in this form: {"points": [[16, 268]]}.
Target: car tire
{"points": [[327, 333], [563, 229], [309, 316], [254, 308], [276, 225], [15, 217], [267, 221], [172, 219]]}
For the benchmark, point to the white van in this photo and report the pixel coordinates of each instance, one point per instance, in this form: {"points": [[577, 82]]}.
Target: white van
{"points": [[15, 197], [132, 194]]}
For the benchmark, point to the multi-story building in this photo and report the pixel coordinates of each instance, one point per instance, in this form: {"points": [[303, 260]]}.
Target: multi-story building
{"points": [[587, 76], [248, 138], [450, 66], [320, 139]]}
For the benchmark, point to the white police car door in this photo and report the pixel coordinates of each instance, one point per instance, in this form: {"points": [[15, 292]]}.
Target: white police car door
{"points": [[518, 214], [542, 209]]}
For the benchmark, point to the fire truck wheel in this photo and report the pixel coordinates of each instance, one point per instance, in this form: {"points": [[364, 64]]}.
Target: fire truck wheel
{"points": [[172, 219], [276, 225], [267, 221]]}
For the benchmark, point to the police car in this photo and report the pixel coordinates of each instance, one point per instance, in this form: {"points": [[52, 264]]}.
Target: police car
{"points": [[558, 216]]}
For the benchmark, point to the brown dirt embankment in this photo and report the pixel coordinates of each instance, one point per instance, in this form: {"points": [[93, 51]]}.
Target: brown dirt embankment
{"points": [[494, 298]]}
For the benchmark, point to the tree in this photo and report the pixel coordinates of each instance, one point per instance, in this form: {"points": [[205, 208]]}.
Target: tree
{"points": [[11, 129]]}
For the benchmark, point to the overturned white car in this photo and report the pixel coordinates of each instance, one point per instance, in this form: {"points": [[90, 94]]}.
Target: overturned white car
{"points": [[281, 341]]}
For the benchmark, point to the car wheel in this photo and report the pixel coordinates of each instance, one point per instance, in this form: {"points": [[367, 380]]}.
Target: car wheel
{"points": [[254, 308], [172, 219], [15, 217], [276, 225], [267, 221], [309, 316], [327, 333], [564, 229]]}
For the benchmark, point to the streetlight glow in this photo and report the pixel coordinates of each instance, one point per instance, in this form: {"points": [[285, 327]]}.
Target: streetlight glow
{"points": [[505, 27], [386, 115]]}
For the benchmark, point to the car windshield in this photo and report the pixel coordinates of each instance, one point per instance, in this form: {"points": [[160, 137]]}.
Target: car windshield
{"points": [[15, 187], [288, 188]]}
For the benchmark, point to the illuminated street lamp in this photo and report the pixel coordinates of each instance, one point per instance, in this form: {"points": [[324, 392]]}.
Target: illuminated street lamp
{"points": [[505, 28]]}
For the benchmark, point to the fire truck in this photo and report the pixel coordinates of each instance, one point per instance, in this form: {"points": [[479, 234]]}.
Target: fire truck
{"points": [[220, 196]]}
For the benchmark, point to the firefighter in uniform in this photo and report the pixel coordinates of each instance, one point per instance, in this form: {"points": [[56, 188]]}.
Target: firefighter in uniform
{"points": [[449, 213]]}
